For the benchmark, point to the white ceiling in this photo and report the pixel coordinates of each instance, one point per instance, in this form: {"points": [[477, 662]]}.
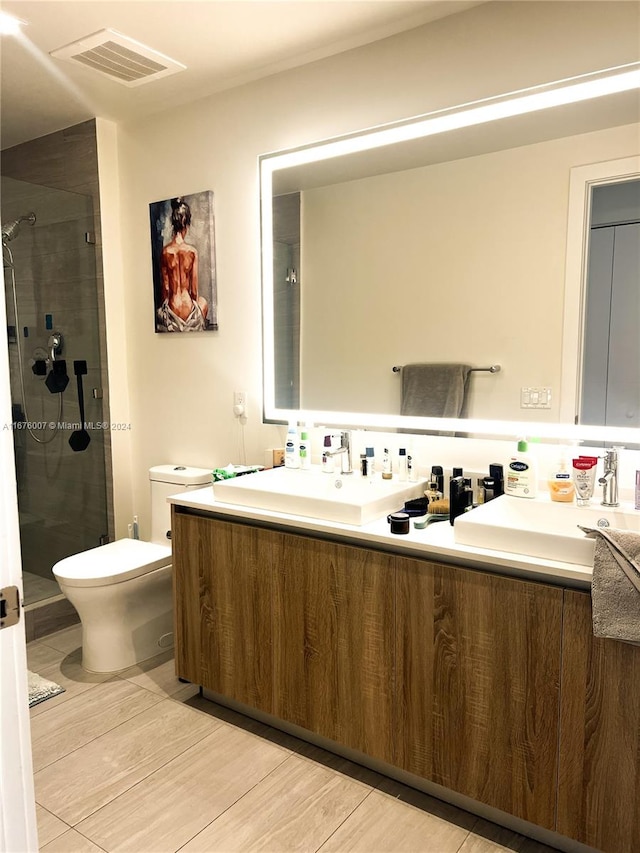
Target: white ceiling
{"points": [[223, 43]]}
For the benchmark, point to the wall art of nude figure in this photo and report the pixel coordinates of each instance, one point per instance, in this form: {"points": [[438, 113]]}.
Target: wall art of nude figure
{"points": [[183, 256]]}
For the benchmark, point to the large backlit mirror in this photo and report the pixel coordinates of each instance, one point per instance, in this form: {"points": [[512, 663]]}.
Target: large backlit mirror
{"points": [[462, 236]]}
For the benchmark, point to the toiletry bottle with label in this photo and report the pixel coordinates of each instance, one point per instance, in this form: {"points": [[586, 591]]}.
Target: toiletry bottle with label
{"points": [[412, 468], [327, 458], [291, 448], [522, 473], [305, 451], [561, 486], [432, 492], [371, 462], [637, 502], [402, 464], [386, 465]]}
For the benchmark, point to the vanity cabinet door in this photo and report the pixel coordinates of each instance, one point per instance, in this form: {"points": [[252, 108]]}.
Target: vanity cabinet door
{"points": [[599, 795], [223, 590], [478, 674], [333, 642]]}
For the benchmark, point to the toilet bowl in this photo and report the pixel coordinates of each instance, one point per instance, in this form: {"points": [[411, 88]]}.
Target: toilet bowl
{"points": [[123, 591]]}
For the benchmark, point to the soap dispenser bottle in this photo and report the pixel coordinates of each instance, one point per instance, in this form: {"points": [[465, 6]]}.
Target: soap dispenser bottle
{"points": [[560, 482], [522, 473]]}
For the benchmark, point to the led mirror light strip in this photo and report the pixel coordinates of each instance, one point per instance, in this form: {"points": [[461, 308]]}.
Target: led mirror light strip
{"points": [[571, 90]]}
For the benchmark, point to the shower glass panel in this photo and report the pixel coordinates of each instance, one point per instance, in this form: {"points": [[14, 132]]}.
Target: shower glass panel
{"points": [[49, 270]]}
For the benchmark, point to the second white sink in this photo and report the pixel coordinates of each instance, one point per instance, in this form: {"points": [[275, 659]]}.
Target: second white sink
{"points": [[540, 527], [349, 499]]}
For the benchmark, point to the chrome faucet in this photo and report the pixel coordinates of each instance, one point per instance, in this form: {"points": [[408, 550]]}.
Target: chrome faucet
{"points": [[609, 479], [344, 451]]}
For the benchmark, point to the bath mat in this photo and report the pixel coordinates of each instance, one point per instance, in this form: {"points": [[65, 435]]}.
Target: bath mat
{"points": [[40, 689]]}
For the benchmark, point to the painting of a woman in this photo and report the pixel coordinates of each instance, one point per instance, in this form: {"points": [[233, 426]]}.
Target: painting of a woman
{"points": [[179, 272]]}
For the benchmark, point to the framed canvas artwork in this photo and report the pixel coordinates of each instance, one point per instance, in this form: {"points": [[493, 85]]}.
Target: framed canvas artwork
{"points": [[184, 263]]}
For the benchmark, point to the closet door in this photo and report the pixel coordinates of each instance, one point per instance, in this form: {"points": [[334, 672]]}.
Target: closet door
{"points": [[623, 381], [611, 349]]}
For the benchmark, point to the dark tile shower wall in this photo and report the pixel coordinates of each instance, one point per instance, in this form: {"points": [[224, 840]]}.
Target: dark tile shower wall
{"points": [[65, 498]]}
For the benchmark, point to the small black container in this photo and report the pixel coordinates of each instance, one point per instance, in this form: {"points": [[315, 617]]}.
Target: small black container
{"points": [[399, 522]]}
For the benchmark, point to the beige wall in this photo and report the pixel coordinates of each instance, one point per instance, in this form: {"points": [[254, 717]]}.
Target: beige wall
{"points": [[180, 387]]}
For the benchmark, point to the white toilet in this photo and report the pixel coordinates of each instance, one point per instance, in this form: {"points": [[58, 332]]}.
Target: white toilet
{"points": [[122, 591]]}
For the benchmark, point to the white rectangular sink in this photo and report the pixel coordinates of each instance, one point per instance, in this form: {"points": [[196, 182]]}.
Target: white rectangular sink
{"points": [[540, 527], [349, 498]]}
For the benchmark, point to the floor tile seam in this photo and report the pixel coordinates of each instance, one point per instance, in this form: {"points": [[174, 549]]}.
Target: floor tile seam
{"points": [[175, 758], [67, 826], [138, 781], [144, 687], [96, 737], [90, 840], [236, 801], [343, 774], [81, 696], [347, 817]]}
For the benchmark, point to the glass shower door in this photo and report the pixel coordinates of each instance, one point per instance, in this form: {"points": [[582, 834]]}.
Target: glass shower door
{"points": [[49, 266]]}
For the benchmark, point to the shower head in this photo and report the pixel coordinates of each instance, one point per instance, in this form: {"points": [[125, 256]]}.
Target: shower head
{"points": [[10, 230]]}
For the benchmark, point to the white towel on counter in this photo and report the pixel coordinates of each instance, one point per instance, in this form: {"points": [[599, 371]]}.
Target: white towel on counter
{"points": [[615, 587]]}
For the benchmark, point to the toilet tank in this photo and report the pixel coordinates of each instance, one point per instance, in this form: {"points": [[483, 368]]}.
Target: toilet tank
{"points": [[169, 480]]}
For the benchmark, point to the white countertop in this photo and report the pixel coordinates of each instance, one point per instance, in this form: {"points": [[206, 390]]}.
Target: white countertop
{"points": [[435, 542]]}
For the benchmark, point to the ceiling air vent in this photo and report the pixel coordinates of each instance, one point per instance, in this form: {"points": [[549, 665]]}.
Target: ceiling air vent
{"points": [[119, 58]]}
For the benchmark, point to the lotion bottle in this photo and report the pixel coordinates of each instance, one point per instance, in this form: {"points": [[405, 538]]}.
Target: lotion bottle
{"points": [[521, 479], [386, 465], [305, 451], [291, 448]]}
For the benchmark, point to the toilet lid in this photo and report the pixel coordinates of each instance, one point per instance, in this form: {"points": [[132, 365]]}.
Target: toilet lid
{"points": [[113, 563]]}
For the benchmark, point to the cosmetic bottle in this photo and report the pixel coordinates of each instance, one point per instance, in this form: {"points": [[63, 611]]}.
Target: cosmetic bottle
{"points": [[437, 474], [305, 451], [584, 478], [637, 503], [371, 462], [522, 473], [402, 465], [291, 448], [386, 465], [327, 458], [412, 469], [433, 492]]}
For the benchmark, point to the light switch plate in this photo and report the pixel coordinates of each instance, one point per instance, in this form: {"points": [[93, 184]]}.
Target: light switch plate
{"points": [[535, 397]]}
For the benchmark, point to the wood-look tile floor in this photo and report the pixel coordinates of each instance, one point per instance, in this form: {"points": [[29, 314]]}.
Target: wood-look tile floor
{"points": [[139, 762]]}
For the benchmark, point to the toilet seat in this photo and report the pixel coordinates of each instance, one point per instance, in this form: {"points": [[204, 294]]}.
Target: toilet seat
{"points": [[113, 563]]}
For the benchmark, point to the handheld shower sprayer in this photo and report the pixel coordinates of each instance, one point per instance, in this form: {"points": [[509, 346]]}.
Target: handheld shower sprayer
{"points": [[10, 230]]}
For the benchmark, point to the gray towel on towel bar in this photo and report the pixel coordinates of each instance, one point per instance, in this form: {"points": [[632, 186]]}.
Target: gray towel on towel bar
{"points": [[434, 390], [615, 587]]}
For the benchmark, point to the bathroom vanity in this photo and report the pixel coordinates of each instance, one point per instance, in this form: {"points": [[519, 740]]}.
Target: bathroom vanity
{"points": [[469, 669]]}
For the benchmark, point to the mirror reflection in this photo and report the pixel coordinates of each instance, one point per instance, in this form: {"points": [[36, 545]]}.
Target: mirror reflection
{"points": [[449, 249]]}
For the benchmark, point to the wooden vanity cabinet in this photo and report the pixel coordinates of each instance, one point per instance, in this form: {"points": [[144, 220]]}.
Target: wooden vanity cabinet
{"points": [[477, 685], [488, 685], [296, 627], [222, 595], [334, 642], [599, 778]]}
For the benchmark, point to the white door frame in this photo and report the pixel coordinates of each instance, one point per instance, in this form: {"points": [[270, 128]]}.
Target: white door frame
{"points": [[18, 832], [582, 179]]}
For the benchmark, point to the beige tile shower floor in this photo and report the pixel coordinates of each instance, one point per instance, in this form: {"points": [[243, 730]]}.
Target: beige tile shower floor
{"points": [[139, 762]]}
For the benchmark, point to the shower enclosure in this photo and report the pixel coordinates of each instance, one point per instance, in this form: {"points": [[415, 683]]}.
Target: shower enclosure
{"points": [[49, 267]]}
